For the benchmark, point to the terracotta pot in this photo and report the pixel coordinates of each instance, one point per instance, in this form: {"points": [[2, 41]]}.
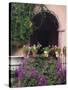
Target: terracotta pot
{"points": [[45, 55], [34, 54], [26, 54]]}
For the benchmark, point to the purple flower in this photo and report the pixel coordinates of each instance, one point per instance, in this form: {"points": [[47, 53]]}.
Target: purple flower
{"points": [[58, 65], [58, 68], [63, 73], [33, 73], [20, 73], [24, 62], [42, 80]]}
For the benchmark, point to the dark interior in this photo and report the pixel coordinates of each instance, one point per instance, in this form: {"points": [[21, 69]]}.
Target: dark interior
{"points": [[45, 27]]}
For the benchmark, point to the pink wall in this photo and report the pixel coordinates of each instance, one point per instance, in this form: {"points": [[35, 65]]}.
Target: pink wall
{"points": [[60, 12]]}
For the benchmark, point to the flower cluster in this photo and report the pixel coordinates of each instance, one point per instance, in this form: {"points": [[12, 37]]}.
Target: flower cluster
{"points": [[42, 80], [27, 49], [33, 73], [20, 73], [41, 71], [61, 73], [58, 66]]}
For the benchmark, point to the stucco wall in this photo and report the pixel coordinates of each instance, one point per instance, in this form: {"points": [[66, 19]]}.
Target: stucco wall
{"points": [[60, 12]]}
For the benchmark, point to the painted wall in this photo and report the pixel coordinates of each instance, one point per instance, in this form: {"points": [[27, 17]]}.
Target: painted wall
{"points": [[60, 12]]}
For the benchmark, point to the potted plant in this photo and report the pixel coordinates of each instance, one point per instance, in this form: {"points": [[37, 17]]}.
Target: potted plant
{"points": [[46, 51], [38, 45], [34, 50], [26, 50], [57, 51]]}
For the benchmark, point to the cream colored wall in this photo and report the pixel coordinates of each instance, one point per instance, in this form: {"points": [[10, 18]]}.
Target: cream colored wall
{"points": [[60, 12]]}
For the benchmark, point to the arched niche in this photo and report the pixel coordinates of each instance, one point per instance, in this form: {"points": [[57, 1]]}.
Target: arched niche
{"points": [[45, 29]]}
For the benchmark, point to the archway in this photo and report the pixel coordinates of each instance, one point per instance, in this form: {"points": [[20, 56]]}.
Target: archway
{"points": [[45, 25]]}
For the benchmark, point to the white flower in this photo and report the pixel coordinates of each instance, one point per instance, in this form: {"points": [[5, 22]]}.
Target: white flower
{"points": [[34, 47], [57, 54], [45, 53]]}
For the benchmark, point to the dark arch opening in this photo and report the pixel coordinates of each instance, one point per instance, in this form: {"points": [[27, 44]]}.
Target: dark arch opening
{"points": [[45, 25]]}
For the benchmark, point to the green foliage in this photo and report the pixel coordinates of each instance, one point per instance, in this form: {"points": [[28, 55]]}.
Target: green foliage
{"points": [[34, 48], [32, 82], [27, 81], [46, 49], [41, 66], [46, 67], [21, 26], [25, 49], [58, 50]]}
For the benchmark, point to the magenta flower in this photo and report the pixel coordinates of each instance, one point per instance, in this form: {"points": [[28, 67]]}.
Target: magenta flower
{"points": [[33, 73], [42, 80], [20, 73], [58, 66], [24, 62]]}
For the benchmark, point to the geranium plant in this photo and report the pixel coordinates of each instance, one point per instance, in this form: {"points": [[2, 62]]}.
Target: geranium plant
{"points": [[57, 51], [26, 50], [34, 50], [46, 51]]}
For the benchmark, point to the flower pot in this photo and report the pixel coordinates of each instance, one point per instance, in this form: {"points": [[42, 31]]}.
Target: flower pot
{"points": [[34, 54], [26, 51], [26, 54]]}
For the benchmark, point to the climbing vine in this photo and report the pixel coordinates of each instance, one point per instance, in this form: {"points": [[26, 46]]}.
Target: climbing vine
{"points": [[21, 26]]}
